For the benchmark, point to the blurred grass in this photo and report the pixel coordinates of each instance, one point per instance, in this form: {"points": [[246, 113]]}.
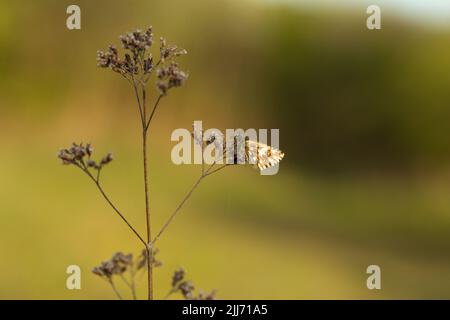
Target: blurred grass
{"points": [[291, 237]]}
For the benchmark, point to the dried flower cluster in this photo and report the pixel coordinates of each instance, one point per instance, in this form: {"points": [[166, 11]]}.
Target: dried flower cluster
{"points": [[137, 61], [142, 262], [120, 264], [186, 287], [80, 155], [117, 265], [170, 77]]}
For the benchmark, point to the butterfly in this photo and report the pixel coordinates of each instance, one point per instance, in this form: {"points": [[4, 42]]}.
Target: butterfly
{"points": [[262, 155], [247, 151]]}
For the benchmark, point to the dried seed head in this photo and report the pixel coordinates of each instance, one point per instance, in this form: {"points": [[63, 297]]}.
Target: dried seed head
{"points": [[148, 64], [178, 276], [170, 77], [89, 149], [66, 156], [106, 159], [80, 155], [142, 262], [91, 163], [104, 270], [117, 265], [167, 52], [187, 289], [206, 295], [138, 60], [137, 41]]}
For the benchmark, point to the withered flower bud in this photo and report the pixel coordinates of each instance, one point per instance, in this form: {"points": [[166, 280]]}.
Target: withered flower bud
{"points": [[148, 64], [106, 159], [89, 149], [207, 296], [187, 289], [105, 270], [181, 52], [142, 262], [91, 163], [170, 77], [78, 151], [98, 271], [66, 156], [178, 276], [163, 88], [167, 52], [120, 257]]}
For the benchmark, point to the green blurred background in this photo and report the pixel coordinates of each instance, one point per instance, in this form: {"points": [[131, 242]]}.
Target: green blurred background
{"points": [[363, 118]]}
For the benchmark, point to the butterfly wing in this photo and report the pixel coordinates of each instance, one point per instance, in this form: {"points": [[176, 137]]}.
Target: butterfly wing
{"points": [[262, 155]]}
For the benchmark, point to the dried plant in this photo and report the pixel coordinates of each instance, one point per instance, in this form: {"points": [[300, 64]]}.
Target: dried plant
{"points": [[123, 266], [186, 287], [137, 65]]}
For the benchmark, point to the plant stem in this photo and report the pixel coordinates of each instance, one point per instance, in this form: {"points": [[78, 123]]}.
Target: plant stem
{"points": [[153, 111], [147, 215], [130, 283], [146, 190], [133, 283], [118, 212], [115, 289], [141, 111], [173, 215], [169, 294], [99, 187], [215, 170], [204, 174]]}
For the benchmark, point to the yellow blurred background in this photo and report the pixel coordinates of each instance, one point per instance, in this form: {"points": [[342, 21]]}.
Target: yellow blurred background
{"points": [[363, 118]]}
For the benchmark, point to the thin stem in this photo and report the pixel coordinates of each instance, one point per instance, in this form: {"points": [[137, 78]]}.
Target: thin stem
{"points": [[146, 191], [120, 214], [133, 283], [210, 167], [173, 215], [186, 197], [130, 283], [125, 280], [98, 174], [169, 294], [115, 289], [141, 111], [144, 108], [215, 170], [147, 215], [153, 112], [99, 187]]}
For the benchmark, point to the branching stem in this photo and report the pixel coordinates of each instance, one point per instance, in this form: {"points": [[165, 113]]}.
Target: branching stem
{"points": [[186, 197], [99, 187]]}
